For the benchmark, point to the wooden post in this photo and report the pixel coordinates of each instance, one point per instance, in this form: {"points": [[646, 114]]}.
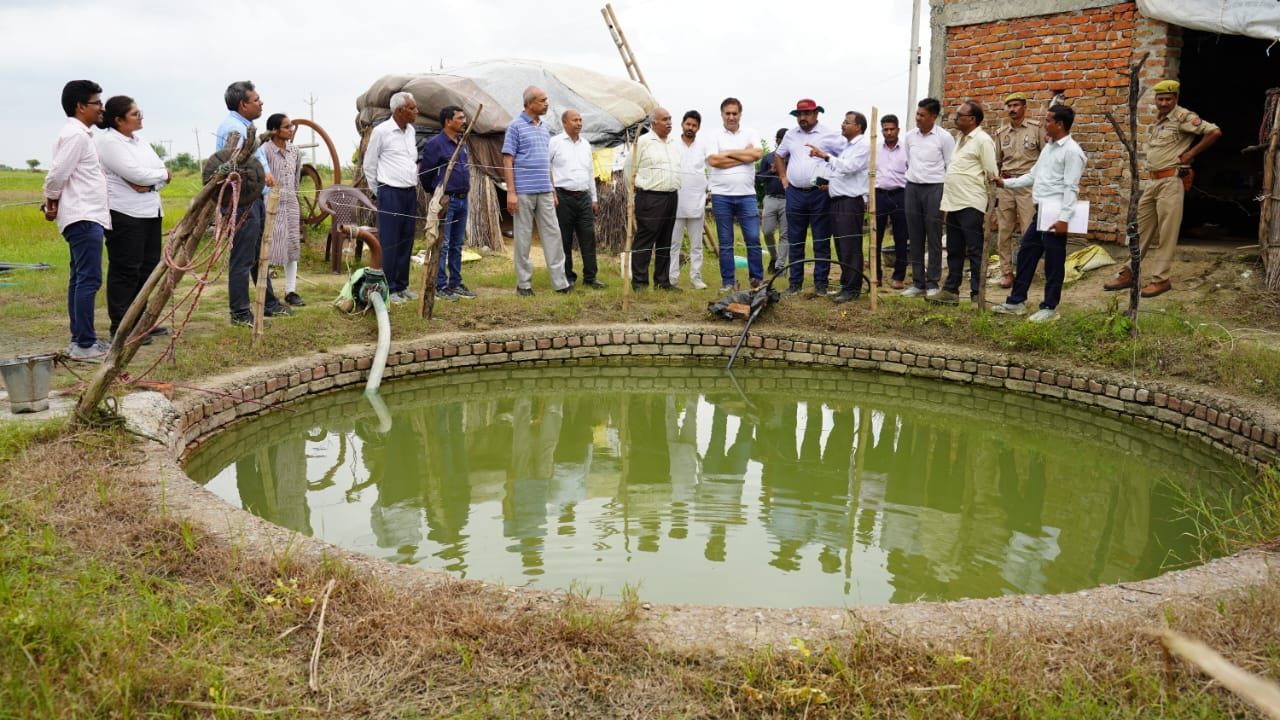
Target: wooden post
{"points": [[149, 304], [1131, 223], [1269, 227], [434, 237], [871, 211], [631, 223], [264, 264]]}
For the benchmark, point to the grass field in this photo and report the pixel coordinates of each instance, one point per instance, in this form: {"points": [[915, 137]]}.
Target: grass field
{"points": [[109, 608]]}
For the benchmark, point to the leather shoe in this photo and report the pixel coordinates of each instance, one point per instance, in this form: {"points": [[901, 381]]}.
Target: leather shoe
{"points": [[524, 292], [897, 285], [1156, 288], [596, 285], [1006, 281], [1123, 281]]}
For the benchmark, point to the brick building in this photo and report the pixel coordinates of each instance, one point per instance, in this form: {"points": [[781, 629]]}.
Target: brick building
{"points": [[1081, 50]]}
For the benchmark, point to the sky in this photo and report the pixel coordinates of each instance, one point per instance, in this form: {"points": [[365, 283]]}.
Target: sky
{"points": [[176, 58]]}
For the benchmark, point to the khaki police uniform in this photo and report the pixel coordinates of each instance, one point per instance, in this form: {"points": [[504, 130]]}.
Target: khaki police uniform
{"points": [[1160, 208], [1017, 149]]}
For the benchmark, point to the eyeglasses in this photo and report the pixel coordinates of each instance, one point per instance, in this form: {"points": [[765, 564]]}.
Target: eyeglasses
{"points": [[960, 114], [95, 102]]}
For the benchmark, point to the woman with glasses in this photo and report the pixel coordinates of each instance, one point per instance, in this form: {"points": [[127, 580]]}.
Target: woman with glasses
{"points": [[286, 233], [135, 174]]}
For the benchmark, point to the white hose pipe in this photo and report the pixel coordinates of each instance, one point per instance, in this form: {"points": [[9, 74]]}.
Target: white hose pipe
{"points": [[384, 344]]}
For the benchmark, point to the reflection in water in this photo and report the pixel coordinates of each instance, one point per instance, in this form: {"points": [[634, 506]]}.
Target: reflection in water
{"points": [[785, 493]]}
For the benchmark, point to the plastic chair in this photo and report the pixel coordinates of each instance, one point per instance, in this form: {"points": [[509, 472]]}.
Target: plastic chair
{"points": [[343, 203]]}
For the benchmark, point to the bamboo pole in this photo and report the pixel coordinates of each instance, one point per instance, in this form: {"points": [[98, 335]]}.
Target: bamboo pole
{"points": [[431, 260], [264, 265], [1269, 228], [631, 223], [148, 306], [871, 211], [624, 47]]}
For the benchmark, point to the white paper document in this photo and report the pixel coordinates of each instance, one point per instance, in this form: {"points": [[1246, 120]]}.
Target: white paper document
{"points": [[1049, 209]]}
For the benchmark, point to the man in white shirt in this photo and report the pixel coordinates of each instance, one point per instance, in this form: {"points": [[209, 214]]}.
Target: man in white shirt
{"points": [[391, 168], [808, 206], [691, 201], [929, 149], [75, 191], [732, 154], [849, 176], [1055, 176], [966, 193], [573, 175]]}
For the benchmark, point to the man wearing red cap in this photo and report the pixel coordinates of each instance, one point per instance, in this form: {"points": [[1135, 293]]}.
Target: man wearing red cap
{"points": [[807, 204]]}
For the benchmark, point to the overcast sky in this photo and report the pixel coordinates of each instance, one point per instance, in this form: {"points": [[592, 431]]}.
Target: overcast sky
{"points": [[176, 58]]}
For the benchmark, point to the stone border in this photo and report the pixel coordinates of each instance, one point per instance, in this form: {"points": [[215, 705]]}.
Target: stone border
{"points": [[1245, 430]]}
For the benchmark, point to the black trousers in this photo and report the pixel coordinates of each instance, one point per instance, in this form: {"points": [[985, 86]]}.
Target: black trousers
{"points": [[243, 265], [133, 251], [964, 242], [891, 209], [846, 222], [924, 225], [1033, 245], [655, 221], [577, 220]]}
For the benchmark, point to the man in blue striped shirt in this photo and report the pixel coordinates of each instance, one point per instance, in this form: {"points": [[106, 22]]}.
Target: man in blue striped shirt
{"points": [[526, 165]]}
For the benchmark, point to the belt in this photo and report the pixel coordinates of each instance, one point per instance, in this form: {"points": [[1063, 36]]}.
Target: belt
{"points": [[657, 192], [783, 195], [457, 196], [889, 190], [571, 192], [920, 184], [800, 189], [1162, 174]]}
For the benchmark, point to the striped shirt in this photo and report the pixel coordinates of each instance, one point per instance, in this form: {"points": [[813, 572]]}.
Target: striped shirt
{"points": [[527, 144]]}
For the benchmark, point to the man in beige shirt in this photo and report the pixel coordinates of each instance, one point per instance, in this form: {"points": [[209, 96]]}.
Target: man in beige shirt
{"points": [[657, 163], [1017, 147], [1171, 146], [965, 196]]}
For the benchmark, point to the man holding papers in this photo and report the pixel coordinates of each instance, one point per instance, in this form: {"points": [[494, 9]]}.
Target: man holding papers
{"points": [[1055, 180]]}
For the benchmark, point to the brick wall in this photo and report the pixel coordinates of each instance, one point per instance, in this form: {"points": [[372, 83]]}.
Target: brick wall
{"points": [[1084, 54]]}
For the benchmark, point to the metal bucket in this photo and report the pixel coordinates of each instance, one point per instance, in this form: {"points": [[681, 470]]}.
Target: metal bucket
{"points": [[27, 379]]}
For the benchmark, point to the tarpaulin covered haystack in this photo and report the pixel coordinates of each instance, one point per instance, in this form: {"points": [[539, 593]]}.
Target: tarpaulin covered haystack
{"points": [[611, 108]]}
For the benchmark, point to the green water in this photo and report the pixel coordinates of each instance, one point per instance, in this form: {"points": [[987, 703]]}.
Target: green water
{"points": [[780, 487]]}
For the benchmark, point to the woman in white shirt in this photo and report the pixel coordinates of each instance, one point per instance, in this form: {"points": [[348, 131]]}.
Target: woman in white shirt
{"points": [[286, 234], [135, 174]]}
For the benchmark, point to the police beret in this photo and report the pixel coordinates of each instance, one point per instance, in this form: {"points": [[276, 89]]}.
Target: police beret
{"points": [[1167, 86], [1015, 96]]}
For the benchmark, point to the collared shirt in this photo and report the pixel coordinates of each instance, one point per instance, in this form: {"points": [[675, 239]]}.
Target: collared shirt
{"points": [[1167, 139], [528, 145], [234, 122], [801, 167], [928, 154], [391, 157], [766, 176], [693, 180], [76, 180], [657, 162], [891, 166], [968, 181], [739, 179], [850, 171], [130, 160], [1056, 175], [436, 154], [571, 166], [1018, 147]]}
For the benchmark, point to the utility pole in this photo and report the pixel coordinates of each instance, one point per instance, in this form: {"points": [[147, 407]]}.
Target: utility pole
{"points": [[199, 155], [913, 68], [311, 104]]}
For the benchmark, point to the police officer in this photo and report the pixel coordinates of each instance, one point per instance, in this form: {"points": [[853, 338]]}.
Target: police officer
{"points": [[1017, 147], [1171, 145]]}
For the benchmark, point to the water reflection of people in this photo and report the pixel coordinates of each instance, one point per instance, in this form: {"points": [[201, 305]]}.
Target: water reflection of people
{"points": [[535, 432], [718, 496], [273, 484], [446, 482], [391, 460], [646, 466], [682, 444]]}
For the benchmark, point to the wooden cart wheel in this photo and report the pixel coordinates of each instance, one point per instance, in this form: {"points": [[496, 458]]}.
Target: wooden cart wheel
{"points": [[311, 183]]}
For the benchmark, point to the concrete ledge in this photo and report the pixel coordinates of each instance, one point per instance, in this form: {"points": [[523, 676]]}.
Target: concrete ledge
{"points": [[1242, 428]]}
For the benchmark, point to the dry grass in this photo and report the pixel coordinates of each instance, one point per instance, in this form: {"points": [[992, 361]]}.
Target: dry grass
{"points": [[108, 608]]}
